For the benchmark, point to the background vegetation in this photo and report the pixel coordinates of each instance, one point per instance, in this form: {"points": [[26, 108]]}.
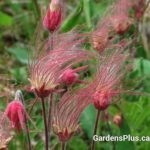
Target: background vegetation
{"points": [[18, 20]]}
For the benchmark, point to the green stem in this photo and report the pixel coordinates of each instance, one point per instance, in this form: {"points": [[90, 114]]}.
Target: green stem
{"points": [[36, 7], [95, 129]]}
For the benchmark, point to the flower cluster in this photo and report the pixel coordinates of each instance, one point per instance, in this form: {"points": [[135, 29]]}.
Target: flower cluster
{"points": [[46, 71]]}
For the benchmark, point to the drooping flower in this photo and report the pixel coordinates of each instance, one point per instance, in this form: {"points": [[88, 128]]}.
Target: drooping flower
{"points": [[120, 19], [52, 19], [121, 23], [107, 80], [66, 115], [100, 36], [5, 131], [15, 111], [45, 71]]}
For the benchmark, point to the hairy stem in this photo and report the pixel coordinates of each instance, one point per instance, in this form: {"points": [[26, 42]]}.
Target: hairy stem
{"points": [[49, 115], [45, 124], [63, 145], [95, 129]]}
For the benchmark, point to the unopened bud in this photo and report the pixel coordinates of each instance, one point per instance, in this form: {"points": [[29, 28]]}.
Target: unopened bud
{"points": [[69, 77], [53, 16], [117, 119]]}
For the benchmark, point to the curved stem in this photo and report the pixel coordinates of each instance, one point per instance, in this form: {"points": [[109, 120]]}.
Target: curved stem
{"points": [[45, 124], [63, 145], [95, 129]]}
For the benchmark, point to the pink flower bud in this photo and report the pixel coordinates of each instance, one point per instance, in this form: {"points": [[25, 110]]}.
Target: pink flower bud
{"points": [[117, 119], [69, 77], [100, 40], [16, 113], [121, 23], [53, 16], [101, 100]]}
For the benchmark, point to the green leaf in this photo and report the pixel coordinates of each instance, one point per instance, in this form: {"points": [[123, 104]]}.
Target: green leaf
{"points": [[73, 18], [125, 130], [20, 74], [20, 52], [77, 143], [142, 65], [88, 120], [5, 20], [87, 12]]}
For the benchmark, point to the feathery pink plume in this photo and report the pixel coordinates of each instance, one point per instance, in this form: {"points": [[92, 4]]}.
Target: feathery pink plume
{"points": [[106, 83], [120, 19], [100, 36], [45, 71], [66, 115]]}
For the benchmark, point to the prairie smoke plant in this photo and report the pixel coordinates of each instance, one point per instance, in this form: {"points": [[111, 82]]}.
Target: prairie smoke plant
{"points": [[100, 36], [53, 16], [66, 115], [107, 82], [15, 111], [71, 76], [46, 70], [5, 131], [121, 23], [120, 19]]}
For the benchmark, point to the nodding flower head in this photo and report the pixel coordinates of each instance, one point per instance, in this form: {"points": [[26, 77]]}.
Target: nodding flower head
{"points": [[121, 23], [102, 99], [66, 115], [45, 71], [15, 111], [120, 19], [5, 131], [107, 80], [53, 16], [100, 39], [100, 36]]}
